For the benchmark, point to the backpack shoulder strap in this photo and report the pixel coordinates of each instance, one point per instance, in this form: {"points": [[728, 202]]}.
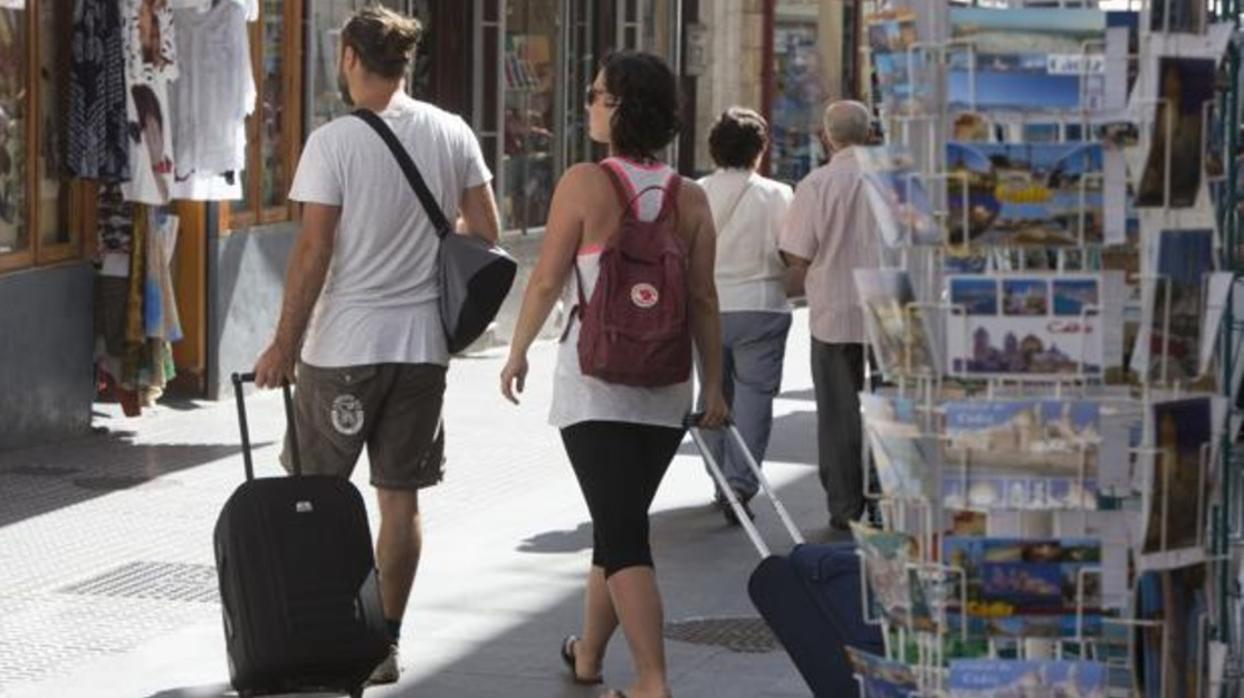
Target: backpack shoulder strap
{"points": [[619, 187], [672, 187]]}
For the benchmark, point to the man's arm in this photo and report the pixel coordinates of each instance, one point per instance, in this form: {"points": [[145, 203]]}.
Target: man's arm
{"points": [[796, 274], [479, 213], [798, 241], [304, 279]]}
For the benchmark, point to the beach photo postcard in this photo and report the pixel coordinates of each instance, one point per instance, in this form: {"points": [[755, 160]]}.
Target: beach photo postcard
{"points": [[899, 332], [881, 677], [1026, 60], [1026, 587], [1175, 497], [897, 196], [902, 74], [1039, 325], [1039, 194], [1184, 86], [904, 454], [1016, 678], [1168, 346], [894, 588], [1028, 455]]}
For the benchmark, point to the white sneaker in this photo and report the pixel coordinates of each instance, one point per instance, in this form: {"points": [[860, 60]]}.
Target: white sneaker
{"points": [[387, 671]]}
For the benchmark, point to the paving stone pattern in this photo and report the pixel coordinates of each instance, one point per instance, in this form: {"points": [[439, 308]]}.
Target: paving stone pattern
{"points": [[507, 543]]}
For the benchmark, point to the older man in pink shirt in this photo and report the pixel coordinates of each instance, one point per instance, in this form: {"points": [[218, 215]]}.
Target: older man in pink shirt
{"points": [[829, 233]]}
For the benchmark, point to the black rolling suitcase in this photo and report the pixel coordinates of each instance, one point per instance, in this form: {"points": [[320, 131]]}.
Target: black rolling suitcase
{"points": [[298, 580], [812, 598]]}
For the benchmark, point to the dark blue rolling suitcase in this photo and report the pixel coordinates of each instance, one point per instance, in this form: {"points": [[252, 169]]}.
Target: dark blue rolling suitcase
{"points": [[811, 599]]}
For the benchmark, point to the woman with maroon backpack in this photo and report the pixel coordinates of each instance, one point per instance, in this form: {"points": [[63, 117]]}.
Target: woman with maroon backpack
{"points": [[630, 247]]}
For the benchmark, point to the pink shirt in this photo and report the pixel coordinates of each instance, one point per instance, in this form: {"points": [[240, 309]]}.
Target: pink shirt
{"points": [[831, 224]]}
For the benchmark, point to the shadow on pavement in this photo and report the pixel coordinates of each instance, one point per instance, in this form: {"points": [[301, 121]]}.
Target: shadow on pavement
{"points": [[702, 567], [222, 690], [808, 394], [48, 478], [559, 541], [793, 440]]}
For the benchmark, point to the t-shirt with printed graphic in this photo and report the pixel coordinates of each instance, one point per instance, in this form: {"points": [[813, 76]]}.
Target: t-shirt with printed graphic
{"points": [[150, 44], [150, 63]]}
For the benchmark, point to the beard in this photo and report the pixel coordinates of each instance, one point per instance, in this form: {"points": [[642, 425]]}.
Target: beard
{"points": [[344, 87]]}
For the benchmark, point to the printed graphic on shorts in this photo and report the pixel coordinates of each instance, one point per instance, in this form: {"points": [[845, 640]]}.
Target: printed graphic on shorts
{"points": [[645, 295], [347, 415]]}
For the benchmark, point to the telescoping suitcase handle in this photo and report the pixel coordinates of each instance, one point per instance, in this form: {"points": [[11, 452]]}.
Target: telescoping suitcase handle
{"points": [[240, 379], [692, 422]]}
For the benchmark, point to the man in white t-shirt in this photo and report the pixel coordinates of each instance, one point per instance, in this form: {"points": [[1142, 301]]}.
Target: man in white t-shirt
{"points": [[361, 293]]}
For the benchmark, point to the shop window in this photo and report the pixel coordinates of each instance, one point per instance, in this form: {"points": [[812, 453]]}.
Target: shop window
{"points": [[530, 100], [274, 130], [324, 101], [35, 195]]}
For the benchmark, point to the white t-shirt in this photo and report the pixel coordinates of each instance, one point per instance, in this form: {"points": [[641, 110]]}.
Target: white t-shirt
{"points": [[749, 211], [214, 91], [379, 303]]}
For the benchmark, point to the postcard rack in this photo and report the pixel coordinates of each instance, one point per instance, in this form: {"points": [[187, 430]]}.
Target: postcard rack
{"points": [[1056, 455]]}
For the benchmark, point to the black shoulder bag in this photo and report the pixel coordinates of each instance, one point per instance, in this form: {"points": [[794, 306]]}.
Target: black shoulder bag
{"points": [[474, 275]]}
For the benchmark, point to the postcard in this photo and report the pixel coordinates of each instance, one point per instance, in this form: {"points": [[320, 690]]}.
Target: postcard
{"points": [[1177, 599], [1026, 454], [881, 677], [1184, 85], [1025, 193], [897, 196], [1039, 325], [1015, 678], [899, 70], [898, 331], [1168, 346], [894, 588], [904, 453], [1219, 290], [1175, 483], [1026, 587], [1115, 529], [1026, 60]]}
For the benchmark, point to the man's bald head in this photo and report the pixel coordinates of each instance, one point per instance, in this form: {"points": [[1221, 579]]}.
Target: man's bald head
{"points": [[847, 123]]}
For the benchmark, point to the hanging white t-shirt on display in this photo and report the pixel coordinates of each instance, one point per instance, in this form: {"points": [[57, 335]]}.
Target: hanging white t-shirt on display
{"points": [[215, 91]]}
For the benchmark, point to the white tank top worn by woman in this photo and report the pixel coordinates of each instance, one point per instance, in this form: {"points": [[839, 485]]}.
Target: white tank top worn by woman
{"points": [[579, 398]]}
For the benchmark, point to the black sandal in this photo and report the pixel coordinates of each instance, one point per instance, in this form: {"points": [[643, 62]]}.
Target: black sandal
{"points": [[569, 658]]}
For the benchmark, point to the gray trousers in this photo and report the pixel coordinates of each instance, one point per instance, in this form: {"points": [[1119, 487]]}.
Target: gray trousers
{"points": [[838, 376], [753, 347]]}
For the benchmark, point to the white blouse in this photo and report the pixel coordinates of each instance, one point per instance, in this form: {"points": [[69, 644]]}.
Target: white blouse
{"points": [[748, 210]]}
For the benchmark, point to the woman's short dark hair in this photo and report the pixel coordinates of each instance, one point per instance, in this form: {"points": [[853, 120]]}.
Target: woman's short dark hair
{"points": [[646, 118], [738, 138], [384, 40]]}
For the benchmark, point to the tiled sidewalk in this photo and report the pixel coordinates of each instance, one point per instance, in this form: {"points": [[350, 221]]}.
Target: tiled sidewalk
{"points": [[507, 544]]}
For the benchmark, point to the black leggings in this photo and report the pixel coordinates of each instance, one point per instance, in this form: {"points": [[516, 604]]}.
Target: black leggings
{"points": [[619, 466]]}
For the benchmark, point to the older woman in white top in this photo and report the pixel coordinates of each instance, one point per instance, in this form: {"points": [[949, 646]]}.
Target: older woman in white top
{"points": [[748, 210]]}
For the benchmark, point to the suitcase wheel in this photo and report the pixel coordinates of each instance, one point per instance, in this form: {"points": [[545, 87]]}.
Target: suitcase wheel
{"points": [[357, 693]]}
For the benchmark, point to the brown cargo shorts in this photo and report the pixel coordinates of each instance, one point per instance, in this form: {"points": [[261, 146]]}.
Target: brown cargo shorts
{"points": [[393, 409]]}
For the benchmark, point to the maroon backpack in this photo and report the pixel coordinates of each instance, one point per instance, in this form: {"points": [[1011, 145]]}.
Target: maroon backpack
{"points": [[636, 327]]}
